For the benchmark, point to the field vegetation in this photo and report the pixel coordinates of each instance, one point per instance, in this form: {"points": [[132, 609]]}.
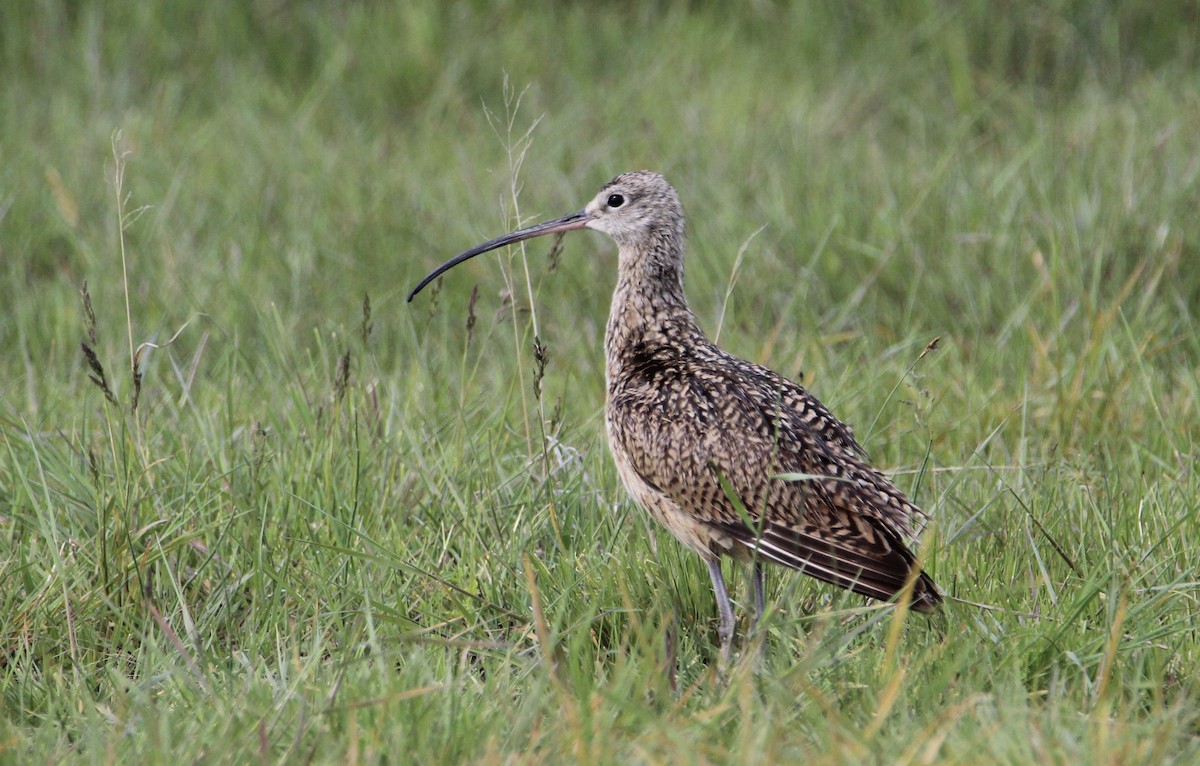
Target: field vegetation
{"points": [[254, 507]]}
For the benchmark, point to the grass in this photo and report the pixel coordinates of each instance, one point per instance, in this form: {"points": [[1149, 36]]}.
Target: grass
{"points": [[304, 521]]}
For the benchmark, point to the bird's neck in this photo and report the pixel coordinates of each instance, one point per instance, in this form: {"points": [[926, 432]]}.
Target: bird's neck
{"points": [[648, 308]]}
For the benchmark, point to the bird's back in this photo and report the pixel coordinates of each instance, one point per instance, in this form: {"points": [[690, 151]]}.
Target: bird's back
{"points": [[746, 462]]}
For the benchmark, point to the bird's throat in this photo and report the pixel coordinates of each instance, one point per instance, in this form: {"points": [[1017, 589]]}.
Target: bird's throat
{"points": [[649, 310]]}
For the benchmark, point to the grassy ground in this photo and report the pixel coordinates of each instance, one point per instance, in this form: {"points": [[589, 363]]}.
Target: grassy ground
{"points": [[322, 525]]}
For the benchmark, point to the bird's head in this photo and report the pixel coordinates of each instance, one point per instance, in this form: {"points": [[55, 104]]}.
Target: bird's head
{"points": [[632, 208], [635, 207]]}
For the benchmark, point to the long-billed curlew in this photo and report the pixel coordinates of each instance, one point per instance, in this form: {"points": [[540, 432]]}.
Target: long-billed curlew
{"points": [[731, 457]]}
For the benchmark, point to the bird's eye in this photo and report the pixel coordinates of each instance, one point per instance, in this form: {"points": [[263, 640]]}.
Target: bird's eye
{"points": [[615, 200]]}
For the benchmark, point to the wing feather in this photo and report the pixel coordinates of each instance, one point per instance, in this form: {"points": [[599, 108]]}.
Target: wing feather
{"points": [[696, 427]]}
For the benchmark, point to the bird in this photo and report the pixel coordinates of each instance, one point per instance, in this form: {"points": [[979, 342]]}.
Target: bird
{"points": [[734, 459]]}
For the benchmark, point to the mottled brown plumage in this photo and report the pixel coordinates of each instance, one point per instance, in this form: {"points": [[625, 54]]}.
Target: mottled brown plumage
{"points": [[731, 457]]}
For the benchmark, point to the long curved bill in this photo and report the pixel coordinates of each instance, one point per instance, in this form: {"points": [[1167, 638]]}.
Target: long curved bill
{"points": [[566, 223]]}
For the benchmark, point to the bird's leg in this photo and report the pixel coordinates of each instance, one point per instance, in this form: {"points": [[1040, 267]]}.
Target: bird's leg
{"points": [[723, 607], [760, 606], [759, 598]]}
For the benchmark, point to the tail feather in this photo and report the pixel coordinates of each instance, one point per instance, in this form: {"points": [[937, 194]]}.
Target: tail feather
{"points": [[875, 563]]}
